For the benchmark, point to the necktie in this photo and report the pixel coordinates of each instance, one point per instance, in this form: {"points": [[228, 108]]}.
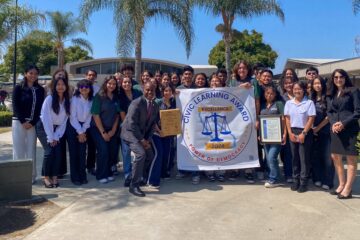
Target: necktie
{"points": [[149, 110]]}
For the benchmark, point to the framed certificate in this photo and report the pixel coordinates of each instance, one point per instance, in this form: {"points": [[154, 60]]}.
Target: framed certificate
{"points": [[170, 121], [270, 129]]}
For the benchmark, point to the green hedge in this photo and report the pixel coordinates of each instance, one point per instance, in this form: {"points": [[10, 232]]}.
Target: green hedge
{"points": [[5, 118]]}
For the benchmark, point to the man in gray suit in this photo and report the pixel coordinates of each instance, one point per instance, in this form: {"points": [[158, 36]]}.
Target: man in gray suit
{"points": [[137, 130]]}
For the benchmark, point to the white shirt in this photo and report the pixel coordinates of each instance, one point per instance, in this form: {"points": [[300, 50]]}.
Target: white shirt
{"points": [[299, 113], [49, 118], [80, 112], [96, 88]]}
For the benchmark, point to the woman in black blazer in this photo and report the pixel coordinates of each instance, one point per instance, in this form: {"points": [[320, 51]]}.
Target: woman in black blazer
{"points": [[343, 113]]}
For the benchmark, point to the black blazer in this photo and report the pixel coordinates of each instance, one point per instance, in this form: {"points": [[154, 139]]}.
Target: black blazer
{"points": [[346, 109], [136, 126], [27, 103]]}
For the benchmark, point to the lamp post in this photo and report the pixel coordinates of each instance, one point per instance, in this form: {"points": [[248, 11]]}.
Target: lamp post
{"points": [[15, 43]]}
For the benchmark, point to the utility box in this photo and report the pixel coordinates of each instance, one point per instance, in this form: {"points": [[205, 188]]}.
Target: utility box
{"points": [[15, 180]]}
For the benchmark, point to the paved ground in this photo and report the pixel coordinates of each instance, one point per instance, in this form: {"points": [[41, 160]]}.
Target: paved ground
{"points": [[179, 210]]}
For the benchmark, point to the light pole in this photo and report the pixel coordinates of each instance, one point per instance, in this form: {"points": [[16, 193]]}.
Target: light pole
{"points": [[15, 43]]}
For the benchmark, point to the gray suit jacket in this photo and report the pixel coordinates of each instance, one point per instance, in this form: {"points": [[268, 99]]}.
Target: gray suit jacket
{"points": [[136, 126]]}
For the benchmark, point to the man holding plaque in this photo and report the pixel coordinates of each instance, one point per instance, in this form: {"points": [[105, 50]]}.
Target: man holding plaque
{"points": [[137, 131]]}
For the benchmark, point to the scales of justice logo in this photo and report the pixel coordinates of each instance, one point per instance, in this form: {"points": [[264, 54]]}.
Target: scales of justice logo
{"points": [[217, 126]]}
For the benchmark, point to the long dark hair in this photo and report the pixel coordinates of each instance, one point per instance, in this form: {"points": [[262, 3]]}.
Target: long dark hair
{"points": [[323, 89], [283, 75], [55, 97], [66, 79], [28, 69], [323, 92], [332, 89], [103, 90], [84, 82]]}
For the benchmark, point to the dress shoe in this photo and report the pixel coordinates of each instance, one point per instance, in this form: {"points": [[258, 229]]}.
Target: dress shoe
{"points": [[302, 189], [340, 196], [77, 183], [127, 182], [295, 186], [334, 192], [136, 191], [48, 185]]}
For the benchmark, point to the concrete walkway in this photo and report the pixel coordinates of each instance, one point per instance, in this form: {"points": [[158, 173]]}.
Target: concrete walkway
{"points": [[180, 210]]}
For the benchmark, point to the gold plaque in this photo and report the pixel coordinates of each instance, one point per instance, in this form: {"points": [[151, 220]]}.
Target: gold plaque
{"points": [[170, 121]]}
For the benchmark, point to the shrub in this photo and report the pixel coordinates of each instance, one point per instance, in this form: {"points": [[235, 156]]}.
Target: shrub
{"points": [[5, 118], [3, 108]]}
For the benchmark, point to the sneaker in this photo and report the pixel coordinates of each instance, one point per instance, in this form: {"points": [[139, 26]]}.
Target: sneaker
{"points": [[289, 180], [233, 175], [195, 180], [179, 175], [249, 178], [221, 178], [325, 187], [317, 183], [153, 186], [302, 189], [211, 178], [271, 184], [103, 180], [295, 186], [110, 179], [260, 175]]}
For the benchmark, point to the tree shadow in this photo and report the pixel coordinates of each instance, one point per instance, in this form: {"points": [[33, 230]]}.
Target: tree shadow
{"points": [[17, 216]]}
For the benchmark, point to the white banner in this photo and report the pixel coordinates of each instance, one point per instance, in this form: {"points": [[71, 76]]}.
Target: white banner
{"points": [[218, 129]]}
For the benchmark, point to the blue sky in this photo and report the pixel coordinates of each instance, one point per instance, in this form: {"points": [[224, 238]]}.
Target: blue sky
{"points": [[312, 29]]}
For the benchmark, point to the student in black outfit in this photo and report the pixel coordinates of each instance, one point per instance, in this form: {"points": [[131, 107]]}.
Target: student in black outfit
{"points": [[343, 112], [322, 165]]}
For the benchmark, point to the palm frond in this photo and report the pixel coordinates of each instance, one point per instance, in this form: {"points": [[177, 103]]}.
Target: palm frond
{"points": [[356, 6], [88, 7], [169, 10], [82, 43]]}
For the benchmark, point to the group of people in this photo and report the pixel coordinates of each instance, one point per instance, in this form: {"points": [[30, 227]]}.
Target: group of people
{"points": [[122, 115]]}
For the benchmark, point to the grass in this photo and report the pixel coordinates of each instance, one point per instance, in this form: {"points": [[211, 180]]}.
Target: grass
{"points": [[5, 129]]}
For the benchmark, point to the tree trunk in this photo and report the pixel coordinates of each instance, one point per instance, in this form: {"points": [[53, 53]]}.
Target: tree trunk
{"points": [[60, 58], [138, 41], [227, 57]]}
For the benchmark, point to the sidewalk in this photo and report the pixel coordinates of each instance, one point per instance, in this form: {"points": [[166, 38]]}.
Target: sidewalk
{"points": [[180, 210]]}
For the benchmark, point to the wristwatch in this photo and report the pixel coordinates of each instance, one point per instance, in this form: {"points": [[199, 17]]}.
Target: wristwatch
{"points": [[304, 133]]}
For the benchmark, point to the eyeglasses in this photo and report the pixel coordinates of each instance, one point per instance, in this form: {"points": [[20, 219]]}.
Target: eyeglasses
{"points": [[311, 73], [84, 87], [339, 77]]}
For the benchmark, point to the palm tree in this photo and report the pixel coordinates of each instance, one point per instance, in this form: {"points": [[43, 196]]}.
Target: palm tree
{"points": [[229, 10], [356, 6], [22, 17], [63, 27], [131, 17]]}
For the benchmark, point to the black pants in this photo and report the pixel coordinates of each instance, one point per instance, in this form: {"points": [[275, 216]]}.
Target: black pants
{"points": [[91, 150], [106, 153], [301, 153], [77, 153], [52, 155], [321, 163]]}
